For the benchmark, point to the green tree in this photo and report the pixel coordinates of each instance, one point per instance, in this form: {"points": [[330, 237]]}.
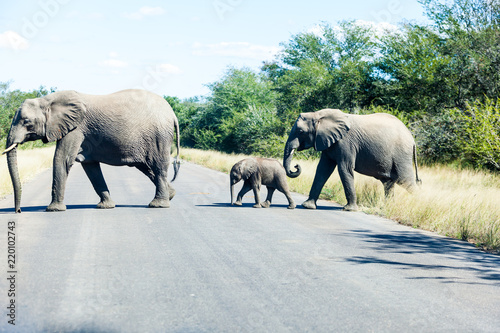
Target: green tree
{"points": [[414, 75], [331, 67], [470, 32], [10, 101], [239, 112], [186, 111]]}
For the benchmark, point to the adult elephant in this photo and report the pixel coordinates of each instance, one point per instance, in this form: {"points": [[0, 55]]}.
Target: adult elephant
{"points": [[130, 127], [377, 145]]}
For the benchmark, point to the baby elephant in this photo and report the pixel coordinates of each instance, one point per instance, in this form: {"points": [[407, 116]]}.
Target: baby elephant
{"points": [[257, 171]]}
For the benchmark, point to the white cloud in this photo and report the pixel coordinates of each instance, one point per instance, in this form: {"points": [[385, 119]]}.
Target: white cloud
{"points": [[143, 12], [235, 49], [169, 69], [317, 30], [94, 16], [380, 28], [12, 40], [151, 11], [113, 63]]}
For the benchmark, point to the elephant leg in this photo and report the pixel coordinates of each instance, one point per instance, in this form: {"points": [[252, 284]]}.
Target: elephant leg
{"points": [[270, 192], [346, 173], [286, 192], [389, 187], [162, 196], [150, 174], [64, 157], [147, 171], [94, 172], [325, 168], [246, 187], [256, 192]]}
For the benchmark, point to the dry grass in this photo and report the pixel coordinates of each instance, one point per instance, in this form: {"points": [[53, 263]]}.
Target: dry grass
{"points": [[30, 162], [463, 204]]}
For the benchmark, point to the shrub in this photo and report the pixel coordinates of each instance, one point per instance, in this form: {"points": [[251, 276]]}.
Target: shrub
{"points": [[480, 139], [437, 137]]}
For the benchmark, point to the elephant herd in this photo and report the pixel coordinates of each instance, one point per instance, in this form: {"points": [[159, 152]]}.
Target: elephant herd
{"points": [[137, 128]]}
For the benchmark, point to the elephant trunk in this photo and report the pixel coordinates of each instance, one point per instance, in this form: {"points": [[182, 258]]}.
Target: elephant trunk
{"points": [[14, 176], [290, 147], [232, 193]]}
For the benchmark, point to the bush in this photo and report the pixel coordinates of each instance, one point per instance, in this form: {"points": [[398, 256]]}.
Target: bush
{"points": [[480, 138], [437, 137]]}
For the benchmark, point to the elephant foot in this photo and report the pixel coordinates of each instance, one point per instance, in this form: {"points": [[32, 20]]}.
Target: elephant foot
{"points": [[257, 205], [159, 203], [265, 204], [106, 204], [351, 208], [171, 192], [291, 206], [309, 204], [56, 207]]}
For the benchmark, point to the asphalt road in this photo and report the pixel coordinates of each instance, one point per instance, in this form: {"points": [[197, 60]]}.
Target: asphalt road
{"points": [[204, 266]]}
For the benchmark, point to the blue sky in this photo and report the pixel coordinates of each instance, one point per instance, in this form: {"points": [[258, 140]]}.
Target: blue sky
{"points": [[170, 47]]}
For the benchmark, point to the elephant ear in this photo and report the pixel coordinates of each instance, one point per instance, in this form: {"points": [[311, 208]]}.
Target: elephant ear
{"points": [[64, 113], [249, 168], [331, 127]]}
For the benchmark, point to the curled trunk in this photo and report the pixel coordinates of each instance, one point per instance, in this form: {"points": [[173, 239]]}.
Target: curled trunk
{"points": [[14, 176], [287, 161]]}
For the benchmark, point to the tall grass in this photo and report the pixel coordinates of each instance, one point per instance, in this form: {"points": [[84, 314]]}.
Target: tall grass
{"points": [[464, 204], [30, 162]]}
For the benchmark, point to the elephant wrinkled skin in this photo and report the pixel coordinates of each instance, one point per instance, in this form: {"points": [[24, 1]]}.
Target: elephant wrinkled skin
{"points": [[256, 172], [377, 145], [130, 127]]}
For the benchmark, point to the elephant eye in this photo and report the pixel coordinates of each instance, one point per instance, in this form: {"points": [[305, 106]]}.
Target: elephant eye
{"points": [[28, 124]]}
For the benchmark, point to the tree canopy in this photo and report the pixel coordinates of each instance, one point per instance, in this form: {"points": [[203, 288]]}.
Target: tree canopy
{"points": [[441, 79]]}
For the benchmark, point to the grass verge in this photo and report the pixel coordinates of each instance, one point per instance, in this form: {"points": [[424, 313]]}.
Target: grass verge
{"points": [[462, 204], [30, 162]]}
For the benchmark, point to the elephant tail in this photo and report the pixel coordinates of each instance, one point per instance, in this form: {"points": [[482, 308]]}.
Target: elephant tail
{"points": [[177, 163], [418, 180]]}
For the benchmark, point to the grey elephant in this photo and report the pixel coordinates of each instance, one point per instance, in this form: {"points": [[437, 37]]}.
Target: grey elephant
{"points": [[377, 145], [256, 172], [129, 127]]}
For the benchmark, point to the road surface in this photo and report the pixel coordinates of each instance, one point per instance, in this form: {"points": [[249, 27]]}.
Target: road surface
{"points": [[204, 266]]}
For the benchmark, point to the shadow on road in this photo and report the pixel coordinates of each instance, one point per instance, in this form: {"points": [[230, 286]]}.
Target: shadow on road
{"points": [[467, 257], [281, 206], [31, 209]]}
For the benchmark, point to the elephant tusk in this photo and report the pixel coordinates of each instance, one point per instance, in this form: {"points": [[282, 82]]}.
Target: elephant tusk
{"points": [[10, 148]]}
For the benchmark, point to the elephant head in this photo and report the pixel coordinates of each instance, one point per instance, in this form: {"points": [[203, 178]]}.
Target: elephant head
{"points": [[244, 169], [319, 129], [47, 118]]}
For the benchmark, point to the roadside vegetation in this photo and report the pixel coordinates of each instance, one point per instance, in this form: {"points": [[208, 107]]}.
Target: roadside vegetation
{"points": [[441, 79]]}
